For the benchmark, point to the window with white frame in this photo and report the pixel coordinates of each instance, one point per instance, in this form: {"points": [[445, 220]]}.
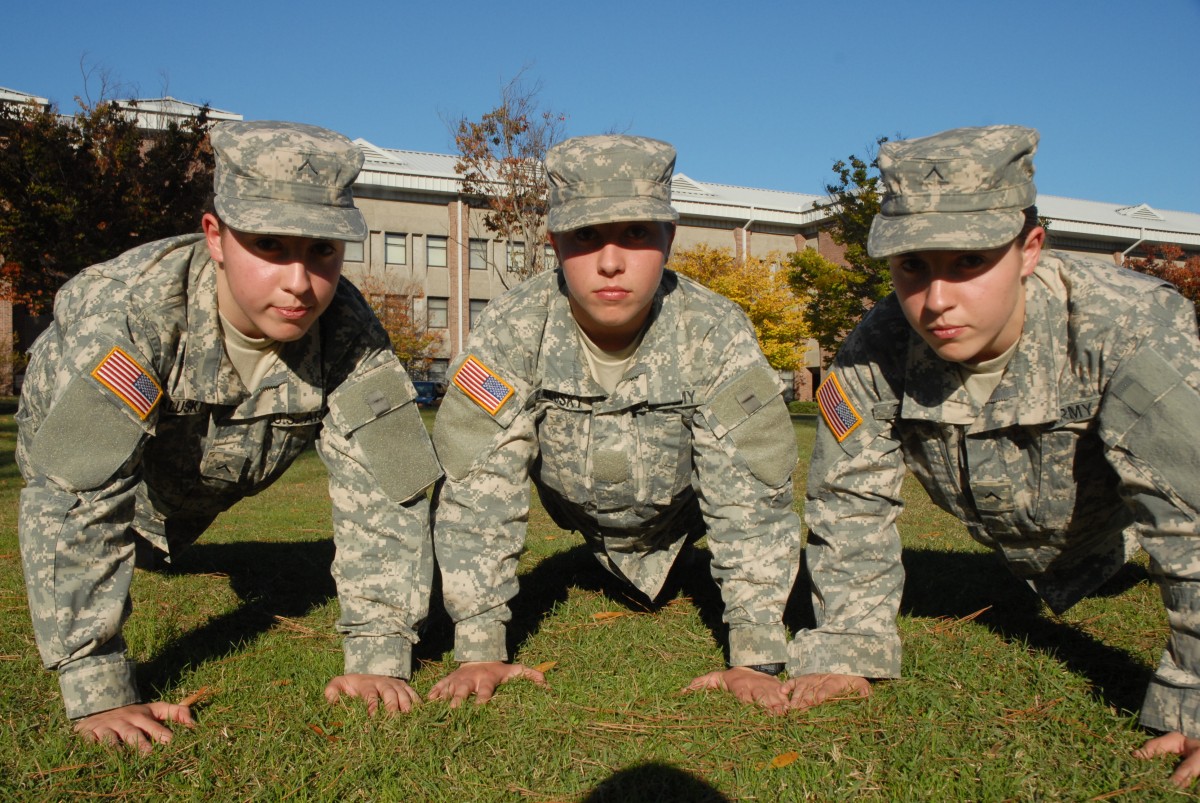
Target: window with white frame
{"points": [[477, 305], [516, 256], [437, 312], [395, 249], [551, 258], [438, 368], [479, 251], [435, 252], [354, 252]]}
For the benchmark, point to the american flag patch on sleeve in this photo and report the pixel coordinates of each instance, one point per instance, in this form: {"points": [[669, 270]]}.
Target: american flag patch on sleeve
{"points": [[836, 409], [121, 374], [485, 388]]}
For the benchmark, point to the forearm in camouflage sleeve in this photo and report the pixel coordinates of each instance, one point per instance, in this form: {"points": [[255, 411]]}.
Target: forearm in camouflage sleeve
{"points": [[754, 535], [383, 564], [1148, 421], [78, 561], [853, 560], [478, 536]]}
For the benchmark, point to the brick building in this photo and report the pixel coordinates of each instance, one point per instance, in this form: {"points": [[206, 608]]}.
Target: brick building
{"points": [[428, 249]]}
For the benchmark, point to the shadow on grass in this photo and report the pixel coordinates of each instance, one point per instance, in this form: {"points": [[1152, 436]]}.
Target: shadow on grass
{"points": [[271, 579], [653, 783], [957, 584], [548, 583]]}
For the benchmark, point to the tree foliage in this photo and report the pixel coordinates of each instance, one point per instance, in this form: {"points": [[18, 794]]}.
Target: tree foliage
{"points": [[500, 159], [835, 302], [840, 294], [412, 340], [81, 189], [762, 291], [1168, 262]]}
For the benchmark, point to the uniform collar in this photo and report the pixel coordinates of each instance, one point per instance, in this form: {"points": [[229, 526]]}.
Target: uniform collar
{"points": [[294, 385], [1028, 392], [653, 376]]}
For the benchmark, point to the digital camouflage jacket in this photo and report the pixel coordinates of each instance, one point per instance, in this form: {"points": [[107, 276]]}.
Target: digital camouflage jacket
{"points": [[1088, 440], [132, 420]]}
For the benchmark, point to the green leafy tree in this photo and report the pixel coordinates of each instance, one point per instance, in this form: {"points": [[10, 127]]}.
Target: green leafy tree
{"points": [[500, 159], [80, 189], [840, 294], [775, 310]]}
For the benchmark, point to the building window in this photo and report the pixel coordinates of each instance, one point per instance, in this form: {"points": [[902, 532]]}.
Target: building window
{"points": [[435, 252], [354, 252], [551, 258], [516, 256], [438, 369], [438, 312], [477, 306], [395, 249], [479, 250]]}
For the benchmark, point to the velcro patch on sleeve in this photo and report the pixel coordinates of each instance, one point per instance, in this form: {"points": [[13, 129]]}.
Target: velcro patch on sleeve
{"points": [[836, 409], [482, 385], [131, 383]]}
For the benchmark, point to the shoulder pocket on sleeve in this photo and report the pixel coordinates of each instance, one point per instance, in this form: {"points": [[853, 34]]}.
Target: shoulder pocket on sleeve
{"points": [[379, 413], [85, 437], [1151, 412], [752, 413], [462, 433]]}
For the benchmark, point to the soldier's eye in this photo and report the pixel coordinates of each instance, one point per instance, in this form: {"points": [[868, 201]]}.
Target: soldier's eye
{"points": [[585, 235], [269, 244]]}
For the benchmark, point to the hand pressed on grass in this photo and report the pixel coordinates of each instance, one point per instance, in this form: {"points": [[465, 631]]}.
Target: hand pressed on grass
{"points": [[806, 691], [1175, 743], [394, 693], [481, 679], [747, 685], [138, 725]]}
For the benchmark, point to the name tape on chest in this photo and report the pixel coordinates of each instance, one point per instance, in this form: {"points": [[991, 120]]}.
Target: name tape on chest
{"points": [[131, 383], [836, 409], [482, 385]]}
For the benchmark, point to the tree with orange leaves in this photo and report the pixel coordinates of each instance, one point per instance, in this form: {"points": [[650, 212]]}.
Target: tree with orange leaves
{"points": [[411, 339], [1168, 262]]}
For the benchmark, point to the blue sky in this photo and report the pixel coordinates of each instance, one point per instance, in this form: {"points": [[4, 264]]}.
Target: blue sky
{"points": [[761, 94]]}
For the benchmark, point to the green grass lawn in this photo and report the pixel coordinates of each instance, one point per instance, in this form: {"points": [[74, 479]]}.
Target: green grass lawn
{"points": [[1000, 700]]}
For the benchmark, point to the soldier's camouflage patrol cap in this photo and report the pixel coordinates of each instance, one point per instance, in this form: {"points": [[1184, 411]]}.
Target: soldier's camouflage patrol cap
{"points": [[287, 179], [607, 178], [963, 189]]}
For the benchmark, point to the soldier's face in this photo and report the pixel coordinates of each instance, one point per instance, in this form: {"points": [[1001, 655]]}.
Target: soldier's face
{"points": [[270, 285], [969, 306], [612, 272]]}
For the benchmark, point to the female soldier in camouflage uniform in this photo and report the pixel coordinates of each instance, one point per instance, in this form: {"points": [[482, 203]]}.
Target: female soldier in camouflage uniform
{"points": [[189, 373], [643, 410], [1048, 401]]}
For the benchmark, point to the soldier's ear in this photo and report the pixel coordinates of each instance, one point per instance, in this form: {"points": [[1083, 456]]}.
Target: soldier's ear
{"points": [[1031, 250], [211, 226]]}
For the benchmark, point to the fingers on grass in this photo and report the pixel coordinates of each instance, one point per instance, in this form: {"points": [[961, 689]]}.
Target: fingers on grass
{"points": [[711, 680], [537, 677], [172, 712], [1173, 743]]}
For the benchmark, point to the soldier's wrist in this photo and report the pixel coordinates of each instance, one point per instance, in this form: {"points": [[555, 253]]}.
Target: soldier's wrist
{"points": [[767, 669]]}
